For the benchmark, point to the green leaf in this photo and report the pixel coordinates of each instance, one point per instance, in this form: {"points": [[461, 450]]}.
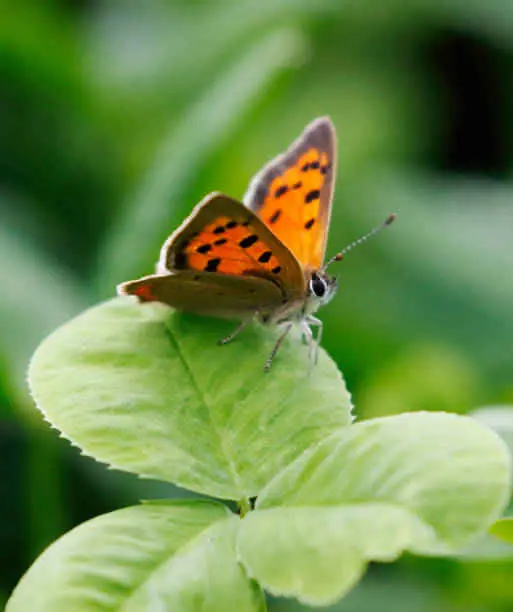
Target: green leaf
{"points": [[161, 556], [499, 419], [383, 592], [150, 391], [489, 548], [486, 549], [427, 483], [503, 529]]}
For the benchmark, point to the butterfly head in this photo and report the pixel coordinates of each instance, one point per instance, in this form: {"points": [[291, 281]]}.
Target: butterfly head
{"points": [[321, 288]]}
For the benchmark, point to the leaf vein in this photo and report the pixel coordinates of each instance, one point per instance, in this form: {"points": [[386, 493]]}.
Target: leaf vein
{"points": [[197, 388]]}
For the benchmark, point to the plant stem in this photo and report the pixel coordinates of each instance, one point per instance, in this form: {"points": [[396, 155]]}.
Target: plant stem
{"points": [[244, 507]]}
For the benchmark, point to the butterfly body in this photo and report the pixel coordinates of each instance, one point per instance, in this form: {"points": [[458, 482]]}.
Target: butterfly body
{"points": [[262, 258]]}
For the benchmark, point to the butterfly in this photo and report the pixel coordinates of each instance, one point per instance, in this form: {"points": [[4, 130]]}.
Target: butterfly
{"points": [[261, 259]]}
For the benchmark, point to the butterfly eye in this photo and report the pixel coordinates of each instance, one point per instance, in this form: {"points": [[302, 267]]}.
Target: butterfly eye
{"points": [[318, 286]]}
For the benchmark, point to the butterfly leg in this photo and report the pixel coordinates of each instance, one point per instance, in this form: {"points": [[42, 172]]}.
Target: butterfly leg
{"points": [[242, 325], [309, 339], [315, 322], [287, 327]]}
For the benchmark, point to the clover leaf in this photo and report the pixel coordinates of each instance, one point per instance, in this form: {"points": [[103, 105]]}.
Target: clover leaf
{"points": [[148, 390]]}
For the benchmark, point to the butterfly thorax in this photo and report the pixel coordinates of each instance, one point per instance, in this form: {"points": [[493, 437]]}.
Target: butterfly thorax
{"points": [[320, 288]]}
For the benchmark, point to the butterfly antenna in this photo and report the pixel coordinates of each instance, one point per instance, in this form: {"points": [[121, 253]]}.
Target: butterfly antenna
{"points": [[339, 256]]}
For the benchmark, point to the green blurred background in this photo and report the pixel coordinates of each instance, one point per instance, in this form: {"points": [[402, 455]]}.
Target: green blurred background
{"points": [[116, 117]]}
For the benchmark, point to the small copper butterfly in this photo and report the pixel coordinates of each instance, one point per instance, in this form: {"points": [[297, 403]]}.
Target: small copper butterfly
{"points": [[262, 259]]}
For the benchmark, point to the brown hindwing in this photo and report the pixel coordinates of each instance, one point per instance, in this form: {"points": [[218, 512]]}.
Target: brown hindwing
{"points": [[208, 294]]}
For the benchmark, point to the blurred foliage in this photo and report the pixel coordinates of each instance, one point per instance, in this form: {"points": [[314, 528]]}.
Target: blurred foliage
{"points": [[117, 117]]}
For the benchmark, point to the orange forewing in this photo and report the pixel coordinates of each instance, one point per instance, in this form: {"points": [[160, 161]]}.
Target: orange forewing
{"points": [[223, 237], [217, 248], [293, 193]]}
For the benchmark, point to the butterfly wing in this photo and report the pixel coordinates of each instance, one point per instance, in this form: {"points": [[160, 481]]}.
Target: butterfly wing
{"points": [[222, 261], [292, 194], [223, 237], [206, 293]]}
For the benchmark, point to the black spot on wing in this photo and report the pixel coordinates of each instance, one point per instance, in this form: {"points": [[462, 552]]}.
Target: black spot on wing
{"points": [[231, 224], [276, 270], [204, 248], [309, 224], [265, 257], [275, 216], [312, 195], [281, 191], [212, 264], [220, 241], [219, 229], [248, 241]]}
